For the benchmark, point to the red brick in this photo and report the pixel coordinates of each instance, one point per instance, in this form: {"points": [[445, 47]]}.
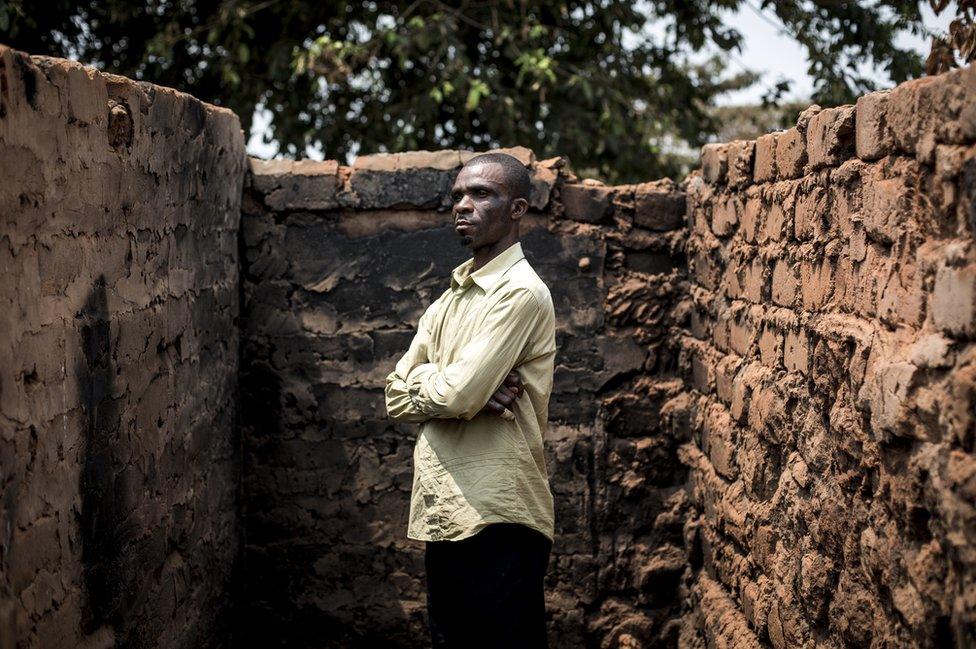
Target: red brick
{"points": [[720, 332], [702, 373], [796, 351], [307, 184], [843, 276], [886, 206], [872, 137], [934, 110], [754, 280], [659, 205], [846, 196], [902, 298], [725, 216], [830, 137], [816, 284], [750, 216], [858, 243], [953, 301], [715, 162], [445, 160], [733, 282], [746, 383], [725, 376], [741, 154], [377, 162], [704, 269], [809, 214], [524, 155], [862, 289], [886, 394], [791, 154], [770, 346], [741, 333], [784, 283], [585, 202], [765, 166], [718, 440]]}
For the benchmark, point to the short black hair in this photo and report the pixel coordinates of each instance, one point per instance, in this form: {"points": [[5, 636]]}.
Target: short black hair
{"points": [[516, 175]]}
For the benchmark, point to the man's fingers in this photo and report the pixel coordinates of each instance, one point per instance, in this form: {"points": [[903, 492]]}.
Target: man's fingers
{"points": [[503, 399], [510, 390], [494, 406], [514, 381]]}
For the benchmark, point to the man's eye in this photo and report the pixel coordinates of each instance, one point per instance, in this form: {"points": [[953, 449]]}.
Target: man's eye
{"points": [[482, 193]]}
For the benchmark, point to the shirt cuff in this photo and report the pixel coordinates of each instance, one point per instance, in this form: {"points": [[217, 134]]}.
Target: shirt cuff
{"points": [[414, 381]]}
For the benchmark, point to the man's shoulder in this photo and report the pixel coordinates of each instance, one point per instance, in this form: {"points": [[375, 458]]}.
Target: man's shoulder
{"points": [[433, 308], [524, 278]]}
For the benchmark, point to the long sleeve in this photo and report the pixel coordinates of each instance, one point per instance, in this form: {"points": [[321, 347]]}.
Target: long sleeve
{"points": [[400, 405], [462, 388]]}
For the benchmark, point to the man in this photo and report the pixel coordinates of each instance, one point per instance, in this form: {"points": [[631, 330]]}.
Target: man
{"points": [[478, 375]]}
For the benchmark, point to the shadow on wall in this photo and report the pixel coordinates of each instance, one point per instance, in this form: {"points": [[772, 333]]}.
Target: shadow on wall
{"points": [[102, 522]]}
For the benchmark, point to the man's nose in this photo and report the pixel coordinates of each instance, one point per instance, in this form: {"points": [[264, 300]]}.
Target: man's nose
{"points": [[463, 206]]}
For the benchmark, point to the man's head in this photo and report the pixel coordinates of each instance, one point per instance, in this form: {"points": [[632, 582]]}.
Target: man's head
{"points": [[490, 195]]}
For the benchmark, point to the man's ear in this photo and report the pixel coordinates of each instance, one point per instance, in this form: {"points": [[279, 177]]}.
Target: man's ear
{"points": [[519, 207]]}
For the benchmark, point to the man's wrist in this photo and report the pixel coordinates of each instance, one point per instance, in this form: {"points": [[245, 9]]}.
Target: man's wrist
{"points": [[414, 382]]}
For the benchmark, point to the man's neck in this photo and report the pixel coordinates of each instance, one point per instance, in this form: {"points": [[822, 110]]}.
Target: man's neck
{"points": [[485, 254]]}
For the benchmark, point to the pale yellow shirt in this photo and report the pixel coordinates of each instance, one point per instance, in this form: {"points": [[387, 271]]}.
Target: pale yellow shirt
{"points": [[474, 469]]}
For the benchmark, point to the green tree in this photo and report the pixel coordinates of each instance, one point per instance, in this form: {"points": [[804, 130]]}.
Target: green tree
{"points": [[612, 84]]}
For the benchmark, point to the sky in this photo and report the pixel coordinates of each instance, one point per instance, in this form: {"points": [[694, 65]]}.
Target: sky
{"points": [[771, 52], [766, 50]]}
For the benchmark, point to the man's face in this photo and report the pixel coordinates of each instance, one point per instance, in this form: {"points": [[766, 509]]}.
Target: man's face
{"points": [[482, 205]]}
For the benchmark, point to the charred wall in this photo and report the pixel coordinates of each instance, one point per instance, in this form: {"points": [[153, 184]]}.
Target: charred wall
{"points": [[119, 212], [339, 263], [761, 428], [831, 368]]}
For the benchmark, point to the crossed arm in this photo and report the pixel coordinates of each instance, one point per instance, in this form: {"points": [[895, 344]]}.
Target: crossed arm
{"points": [[482, 379]]}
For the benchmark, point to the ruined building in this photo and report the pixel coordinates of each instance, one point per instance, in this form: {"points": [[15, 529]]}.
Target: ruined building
{"points": [[761, 431]]}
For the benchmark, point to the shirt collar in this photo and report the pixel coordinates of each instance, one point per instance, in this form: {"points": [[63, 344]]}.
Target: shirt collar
{"points": [[489, 274]]}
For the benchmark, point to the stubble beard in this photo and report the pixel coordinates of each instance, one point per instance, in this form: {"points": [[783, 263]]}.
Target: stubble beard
{"points": [[465, 240]]}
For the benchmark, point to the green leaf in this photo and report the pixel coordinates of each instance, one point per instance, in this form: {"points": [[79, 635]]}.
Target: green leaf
{"points": [[478, 90]]}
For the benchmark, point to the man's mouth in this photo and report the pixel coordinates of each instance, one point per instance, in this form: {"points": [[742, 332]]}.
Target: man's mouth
{"points": [[461, 225]]}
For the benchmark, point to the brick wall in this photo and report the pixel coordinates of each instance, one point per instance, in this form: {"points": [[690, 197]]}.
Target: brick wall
{"points": [[762, 424], [339, 264], [831, 364], [119, 212]]}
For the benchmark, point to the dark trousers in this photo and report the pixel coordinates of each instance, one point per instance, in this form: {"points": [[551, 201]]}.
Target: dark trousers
{"points": [[486, 590]]}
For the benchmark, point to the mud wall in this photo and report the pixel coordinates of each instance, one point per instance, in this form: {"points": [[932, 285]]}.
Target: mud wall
{"points": [[761, 429], [339, 263], [119, 212], [831, 364]]}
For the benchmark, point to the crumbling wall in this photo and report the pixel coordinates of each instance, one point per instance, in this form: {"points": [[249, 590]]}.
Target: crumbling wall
{"points": [[119, 212], [339, 263], [801, 337], [832, 369]]}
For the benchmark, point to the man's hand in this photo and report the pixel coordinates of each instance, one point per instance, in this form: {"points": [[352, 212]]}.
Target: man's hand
{"points": [[510, 390]]}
